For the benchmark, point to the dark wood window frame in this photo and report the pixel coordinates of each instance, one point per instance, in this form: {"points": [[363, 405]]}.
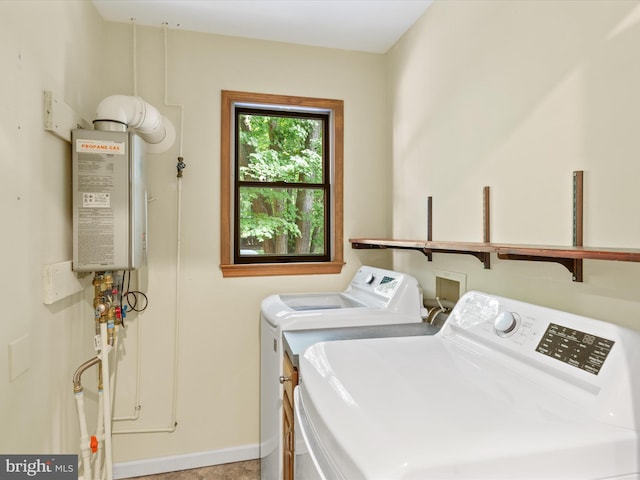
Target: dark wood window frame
{"points": [[229, 99]]}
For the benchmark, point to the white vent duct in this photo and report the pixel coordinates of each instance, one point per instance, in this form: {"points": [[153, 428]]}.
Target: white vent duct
{"points": [[118, 112]]}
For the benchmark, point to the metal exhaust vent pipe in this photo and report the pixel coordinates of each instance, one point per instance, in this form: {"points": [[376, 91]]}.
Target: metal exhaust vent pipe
{"points": [[118, 112]]}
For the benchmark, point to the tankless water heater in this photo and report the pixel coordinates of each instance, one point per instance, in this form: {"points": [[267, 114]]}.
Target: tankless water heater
{"points": [[109, 201]]}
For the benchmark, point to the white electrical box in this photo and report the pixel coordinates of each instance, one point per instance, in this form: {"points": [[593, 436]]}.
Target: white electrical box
{"points": [[59, 281], [109, 201]]}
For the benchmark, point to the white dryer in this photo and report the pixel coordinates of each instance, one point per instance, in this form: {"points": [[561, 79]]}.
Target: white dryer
{"points": [[374, 297], [505, 390]]}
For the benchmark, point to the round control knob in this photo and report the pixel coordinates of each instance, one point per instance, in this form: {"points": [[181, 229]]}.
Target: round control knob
{"points": [[369, 279], [505, 323]]}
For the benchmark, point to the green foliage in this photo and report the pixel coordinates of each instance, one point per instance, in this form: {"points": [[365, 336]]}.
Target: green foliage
{"points": [[279, 149], [264, 224]]}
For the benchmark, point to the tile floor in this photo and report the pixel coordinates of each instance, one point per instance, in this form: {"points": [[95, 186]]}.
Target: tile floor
{"points": [[249, 470]]}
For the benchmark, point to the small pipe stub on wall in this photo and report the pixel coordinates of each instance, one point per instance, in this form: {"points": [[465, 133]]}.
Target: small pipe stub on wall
{"points": [[180, 166]]}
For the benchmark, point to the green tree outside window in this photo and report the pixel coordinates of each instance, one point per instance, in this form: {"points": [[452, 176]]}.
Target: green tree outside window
{"points": [[282, 184]]}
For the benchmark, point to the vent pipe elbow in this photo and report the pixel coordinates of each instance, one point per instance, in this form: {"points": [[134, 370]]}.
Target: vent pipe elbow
{"points": [[133, 112]]}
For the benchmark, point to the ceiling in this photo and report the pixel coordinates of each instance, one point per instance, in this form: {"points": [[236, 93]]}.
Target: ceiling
{"points": [[362, 25]]}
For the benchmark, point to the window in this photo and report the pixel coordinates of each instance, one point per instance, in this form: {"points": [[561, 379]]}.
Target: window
{"points": [[281, 185]]}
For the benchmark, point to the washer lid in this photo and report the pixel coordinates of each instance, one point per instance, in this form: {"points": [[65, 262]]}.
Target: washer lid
{"points": [[428, 407], [319, 301]]}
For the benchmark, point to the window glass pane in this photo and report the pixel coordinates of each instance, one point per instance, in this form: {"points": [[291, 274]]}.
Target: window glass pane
{"points": [[273, 148], [282, 221]]}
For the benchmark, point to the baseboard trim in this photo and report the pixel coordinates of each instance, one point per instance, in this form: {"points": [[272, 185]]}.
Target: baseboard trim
{"points": [[151, 466]]}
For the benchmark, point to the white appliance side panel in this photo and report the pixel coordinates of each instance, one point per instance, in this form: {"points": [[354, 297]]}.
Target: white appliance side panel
{"points": [[271, 358]]}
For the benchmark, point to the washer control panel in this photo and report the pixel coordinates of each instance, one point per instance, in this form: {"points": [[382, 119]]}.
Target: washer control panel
{"points": [[533, 331], [506, 323], [383, 283], [386, 290], [593, 364], [573, 347]]}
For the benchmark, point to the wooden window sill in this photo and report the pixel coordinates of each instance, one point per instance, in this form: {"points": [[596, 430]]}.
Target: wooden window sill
{"points": [[279, 269]]}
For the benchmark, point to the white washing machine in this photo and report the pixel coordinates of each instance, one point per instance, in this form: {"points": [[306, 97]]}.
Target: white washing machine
{"points": [[374, 297], [505, 390]]}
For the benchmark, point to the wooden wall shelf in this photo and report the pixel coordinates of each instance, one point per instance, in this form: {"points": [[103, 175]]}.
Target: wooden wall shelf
{"points": [[566, 256], [569, 257]]}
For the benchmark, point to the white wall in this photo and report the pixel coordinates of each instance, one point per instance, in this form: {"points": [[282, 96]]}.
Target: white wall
{"points": [[65, 47], [218, 390], [44, 45], [516, 96]]}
